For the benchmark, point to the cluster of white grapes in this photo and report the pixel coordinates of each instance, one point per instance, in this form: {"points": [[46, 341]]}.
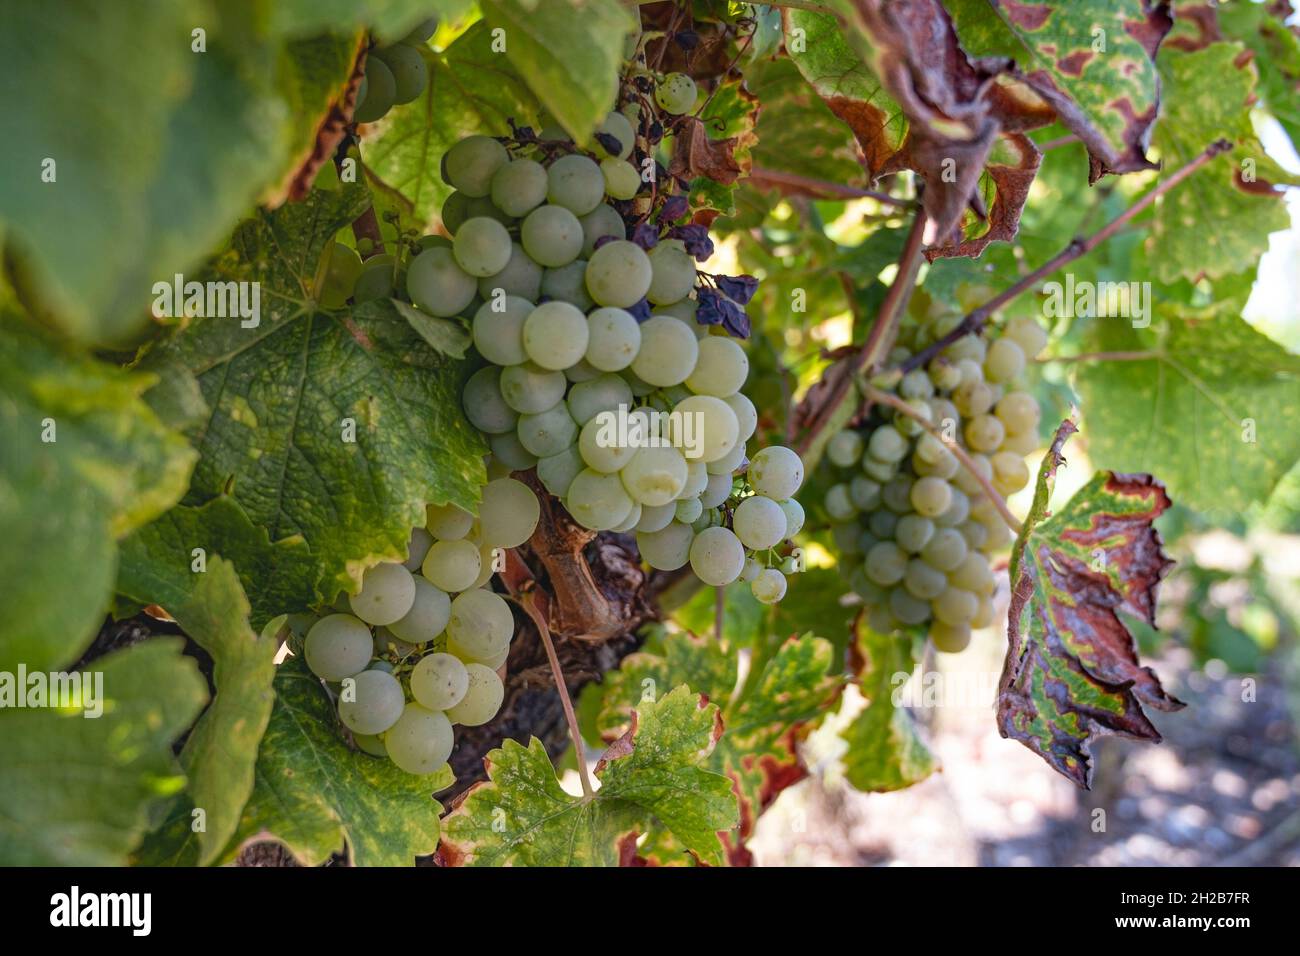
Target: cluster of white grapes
{"points": [[635, 421], [421, 646], [914, 527], [394, 74]]}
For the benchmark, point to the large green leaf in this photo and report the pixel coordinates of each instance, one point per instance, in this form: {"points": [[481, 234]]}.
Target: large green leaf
{"points": [[1218, 223], [1214, 410], [653, 775], [391, 19], [569, 52], [282, 395], [85, 461], [1072, 673], [313, 793], [210, 607], [1092, 60], [277, 576], [885, 751], [472, 89], [158, 172], [76, 789], [762, 728]]}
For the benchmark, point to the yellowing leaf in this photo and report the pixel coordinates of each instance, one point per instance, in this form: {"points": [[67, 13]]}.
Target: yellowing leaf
{"points": [[85, 461]]}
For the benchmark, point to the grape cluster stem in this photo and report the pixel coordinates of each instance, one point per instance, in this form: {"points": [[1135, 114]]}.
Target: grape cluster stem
{"points": [[525, 601], [822, 188]]}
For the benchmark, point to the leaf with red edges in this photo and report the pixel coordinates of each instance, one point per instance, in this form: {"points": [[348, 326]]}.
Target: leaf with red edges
{"points": [[1072, 672]]}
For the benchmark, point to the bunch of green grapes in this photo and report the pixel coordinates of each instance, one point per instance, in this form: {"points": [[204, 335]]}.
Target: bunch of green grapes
{"points": [[394, 74], [423, 645], [598, 374], [593, 346], [915, 528]]}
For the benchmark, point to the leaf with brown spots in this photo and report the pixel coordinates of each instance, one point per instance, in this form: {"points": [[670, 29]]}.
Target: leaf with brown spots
{"points": [[712, 151], [850, 89], [1093, 61], [1276, 44], [914, 100], [1072, 673], [1219, 223], [694, 154]]}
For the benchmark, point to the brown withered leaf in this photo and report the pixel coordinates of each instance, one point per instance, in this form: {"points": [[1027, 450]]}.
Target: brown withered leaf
{"points": [[694, 154], [1008, 173], [897, 75], [1072, 673]]}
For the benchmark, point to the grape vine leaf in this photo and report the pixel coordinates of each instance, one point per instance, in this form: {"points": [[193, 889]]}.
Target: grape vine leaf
{"points": [[85, 462], [1072, 673], [447, 336], [276, 576], [318, 74], [210, 607], [391, 19], [106, 202], [1093, 62], [77, 789], [1217, 224], [758, 749], [1215, 409], [848, 86], [713, 151], [898, 76], [1277, 57], [569, 55], [797, 132], [472, 89], [885, 748], [334, 427], [313, 793], [653, 775], [1002, 191]]}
